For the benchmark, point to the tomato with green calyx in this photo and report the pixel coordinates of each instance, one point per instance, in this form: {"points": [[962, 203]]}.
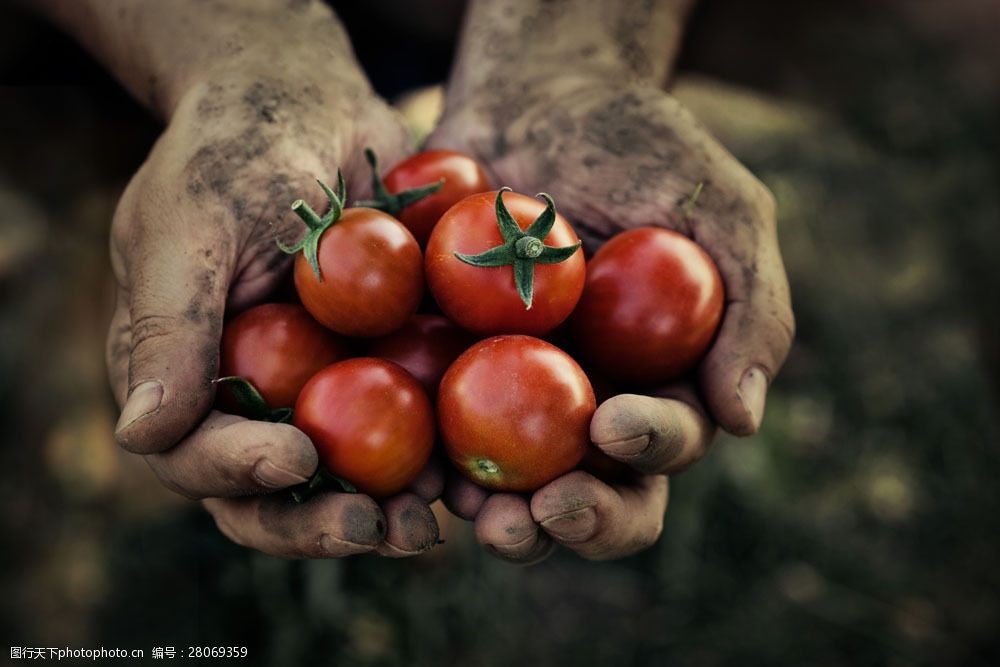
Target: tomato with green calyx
{"points": [[358, 271], [371, 423], [418, 190], [514, 413], [425, 347], [276, 348], [650, 309], [502, 262]]}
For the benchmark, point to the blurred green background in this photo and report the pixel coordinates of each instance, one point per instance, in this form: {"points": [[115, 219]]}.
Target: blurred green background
{"points": [[860, 527]]}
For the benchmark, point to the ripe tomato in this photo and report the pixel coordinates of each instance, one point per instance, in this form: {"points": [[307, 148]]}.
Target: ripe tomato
{"points": [[514, 413], [652, 304], [360, 272], [277, 347], [422, 187], [371, 423], [468, 256], [425, 347]]}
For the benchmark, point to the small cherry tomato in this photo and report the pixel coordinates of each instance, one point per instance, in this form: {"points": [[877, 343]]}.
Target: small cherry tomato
{"points": [[422, 187], [277, 347], [514, 413], [425, 347], [651, 307], [371, 423], [360, 272], [502, 262]]}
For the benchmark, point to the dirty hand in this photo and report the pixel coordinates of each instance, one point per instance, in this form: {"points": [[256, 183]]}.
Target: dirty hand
{"points": [[614, 157], [194, 239]]}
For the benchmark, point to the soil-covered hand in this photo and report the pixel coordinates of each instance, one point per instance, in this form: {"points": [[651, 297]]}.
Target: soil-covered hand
{"points": [[194, 239], [615, 156]]}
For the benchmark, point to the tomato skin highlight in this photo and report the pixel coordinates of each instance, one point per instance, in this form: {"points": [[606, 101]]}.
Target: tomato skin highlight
{"points": [[514, 413], [425, 347], [277, 347], [371, 423], [651, 307], [372, 275], [485, 300], [463, 176]]}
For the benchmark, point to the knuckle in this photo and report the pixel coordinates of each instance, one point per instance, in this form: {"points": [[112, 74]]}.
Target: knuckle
{"points": [[765, 203], [148, 328], [786, 317], [124, 212], [782, 328]]}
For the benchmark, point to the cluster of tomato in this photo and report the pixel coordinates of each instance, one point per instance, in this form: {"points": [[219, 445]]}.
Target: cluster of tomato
{"points": [[375, 385]]}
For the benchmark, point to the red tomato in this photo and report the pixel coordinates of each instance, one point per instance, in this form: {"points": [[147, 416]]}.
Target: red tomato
{"points": [[462, 176], [425, 347], [370, 270], [514, 413], [277, 347], [371, 423], [651, 307], [486, 299]]}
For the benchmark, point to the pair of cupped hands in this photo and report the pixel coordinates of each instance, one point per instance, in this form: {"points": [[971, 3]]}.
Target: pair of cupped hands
{"points": [[193, 240]]}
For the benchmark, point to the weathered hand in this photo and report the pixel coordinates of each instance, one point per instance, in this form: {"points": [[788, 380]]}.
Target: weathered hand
{"points": [[194, 238], [617, 156]]}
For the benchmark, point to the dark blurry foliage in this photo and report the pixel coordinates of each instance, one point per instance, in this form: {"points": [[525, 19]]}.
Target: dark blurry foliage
{"points": [[860, 527]]}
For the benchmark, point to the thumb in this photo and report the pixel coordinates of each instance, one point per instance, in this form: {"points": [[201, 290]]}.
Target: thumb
{"points": [[176, 305], [754, 339]]}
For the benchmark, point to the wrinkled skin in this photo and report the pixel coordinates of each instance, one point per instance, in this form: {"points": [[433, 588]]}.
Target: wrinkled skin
{"points": [[617, 156], [193, 238]]}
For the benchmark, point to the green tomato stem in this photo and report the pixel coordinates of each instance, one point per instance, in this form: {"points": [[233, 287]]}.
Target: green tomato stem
{"points": [[522, 249]]}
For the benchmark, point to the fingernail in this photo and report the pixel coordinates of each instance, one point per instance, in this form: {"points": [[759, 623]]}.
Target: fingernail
{"points": [[143, 400], [274, 477], [542, 549], [628, 447], [753, 392], [334, 546], [575, 526], [516, 550]]}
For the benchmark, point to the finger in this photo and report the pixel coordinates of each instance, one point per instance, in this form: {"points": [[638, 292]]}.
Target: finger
{"points": [[411, 528], [505, 527], [463, 498], [756, 333], [329, 525], [429, 484], [652, 434], [177, 296], [598, 521], [230, 456], [118, 345]]}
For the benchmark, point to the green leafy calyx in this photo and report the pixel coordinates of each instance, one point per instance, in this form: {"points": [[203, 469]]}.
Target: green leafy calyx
{"points": [[522, 249], [251, 404], [322, 480], [388, 202], [309, 245]]}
